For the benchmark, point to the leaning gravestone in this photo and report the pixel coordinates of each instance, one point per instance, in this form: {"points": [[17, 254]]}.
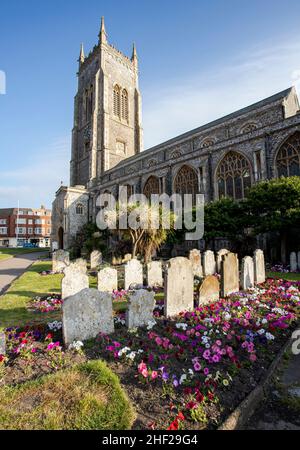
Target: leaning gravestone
{"points": [[293, 262], [259, 267], [86, 314], [247, 273], [179, 286], [229, 274], [140, 309], [133, 274], [2, 344], [209, 263], [154, 274], [107, 280], [60, 260], [220, 254], [74, 281], [96, 259], [195, 258], [209, 290]]}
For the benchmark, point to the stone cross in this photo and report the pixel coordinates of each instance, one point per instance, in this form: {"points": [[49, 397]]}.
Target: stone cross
{"points": [[293, 262], [154, 274], [179, 286], [259, 267], [140, 309], [133, 274], [96, 259], [195, 258], [107, 280], [209, 290], [74, 281], [209, 263], [60, 260], [221, 253], [247, 273], [229, 274], [86, 314]]}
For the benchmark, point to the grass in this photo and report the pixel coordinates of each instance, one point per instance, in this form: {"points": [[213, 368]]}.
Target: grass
{"points": [[284, 276], [85, 397], [21, 251], [3, 257]]}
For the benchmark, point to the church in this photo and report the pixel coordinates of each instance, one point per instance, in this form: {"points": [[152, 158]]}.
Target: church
{"points": [[221, 158]]}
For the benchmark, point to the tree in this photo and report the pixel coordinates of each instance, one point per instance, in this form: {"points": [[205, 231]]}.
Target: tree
{"points": [[274, 205]]}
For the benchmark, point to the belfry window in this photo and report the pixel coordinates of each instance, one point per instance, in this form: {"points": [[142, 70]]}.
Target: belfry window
{"points": [[117, 101], [79, 209], [233, 176], [288, 157], [124, 105]]}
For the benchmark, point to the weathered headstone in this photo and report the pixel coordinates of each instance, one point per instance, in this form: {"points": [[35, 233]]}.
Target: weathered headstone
{"points": [[140, 309], [259, 267], [133, 274], [209, 290], [60, 260], [74, 281], [2, 343], [220, 254], [107, 280], [209, 263], [179, 286], [86, 314], [293, 262], [247, 273], [96, 259], [195, 258], [154, 274], [229, 274], [79, 264]]}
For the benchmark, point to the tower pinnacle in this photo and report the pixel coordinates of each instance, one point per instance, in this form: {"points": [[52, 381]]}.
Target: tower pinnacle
{"points": [[134, 57], [102, 34], [81, 55]]}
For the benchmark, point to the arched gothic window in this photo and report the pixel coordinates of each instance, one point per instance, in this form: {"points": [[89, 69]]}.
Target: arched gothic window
{"points": [[233, 176], [79, 209], [288, 157], [117, 101], [186, 182], [151, 186], [124, 105]]}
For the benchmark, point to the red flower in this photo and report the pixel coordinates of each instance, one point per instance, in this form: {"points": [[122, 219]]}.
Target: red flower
{"points": [[211, 395], [199, 397], [180, 417], [174, 425]]}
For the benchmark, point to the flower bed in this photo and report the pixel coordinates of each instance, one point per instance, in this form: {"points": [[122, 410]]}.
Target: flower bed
{"points": [[200, 366], [51, 302]]}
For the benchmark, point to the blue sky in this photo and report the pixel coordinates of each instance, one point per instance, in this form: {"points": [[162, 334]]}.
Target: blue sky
{"points": [[198, 60]]}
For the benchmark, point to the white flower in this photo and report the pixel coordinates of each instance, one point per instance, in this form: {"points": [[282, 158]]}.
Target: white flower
{"points": [[183, 378], [54, 326], [151, 324], [261, 332], [270, 336], [76, 345], [181, 325], [264, 321]]}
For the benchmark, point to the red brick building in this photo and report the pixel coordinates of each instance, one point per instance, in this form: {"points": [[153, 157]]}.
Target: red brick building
{"points": [[19, 226]]}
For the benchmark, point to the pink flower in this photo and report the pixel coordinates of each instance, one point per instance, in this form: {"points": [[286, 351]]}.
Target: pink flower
{"points": [[253, 357], [206, 371], [154, 375], [197, 367]]}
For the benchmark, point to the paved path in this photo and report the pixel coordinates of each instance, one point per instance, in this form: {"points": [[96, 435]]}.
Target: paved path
{"points": [[12, 268]]}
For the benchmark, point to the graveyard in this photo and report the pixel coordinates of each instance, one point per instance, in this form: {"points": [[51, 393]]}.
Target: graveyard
{"points": [[172, 344]]}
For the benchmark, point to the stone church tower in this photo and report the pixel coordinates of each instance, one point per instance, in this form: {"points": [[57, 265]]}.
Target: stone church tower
{"points": [[107, 112]]}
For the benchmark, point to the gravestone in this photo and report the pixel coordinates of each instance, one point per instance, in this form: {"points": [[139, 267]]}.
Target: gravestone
{"points": [[195, 258], [86, 314], [96, 259], [140, 309], [133, 274], [247, 273], [60, 260], [209, 290], [259, 267], [74, 281], [107, 280], [154, 274], [127, 257], [229, 274], [2, 343], [221, 253], [179, 286], [79, 264], [293, 262], [209, 263]]}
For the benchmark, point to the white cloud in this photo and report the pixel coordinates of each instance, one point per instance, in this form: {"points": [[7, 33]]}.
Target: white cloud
{"points": [[35, 182], [194, 101]]}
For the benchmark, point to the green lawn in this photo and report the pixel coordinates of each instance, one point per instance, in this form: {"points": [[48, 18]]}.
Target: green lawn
{"points": [[13, 310], [284, 276], [85, 397], [2, 257], [21, 251]]}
